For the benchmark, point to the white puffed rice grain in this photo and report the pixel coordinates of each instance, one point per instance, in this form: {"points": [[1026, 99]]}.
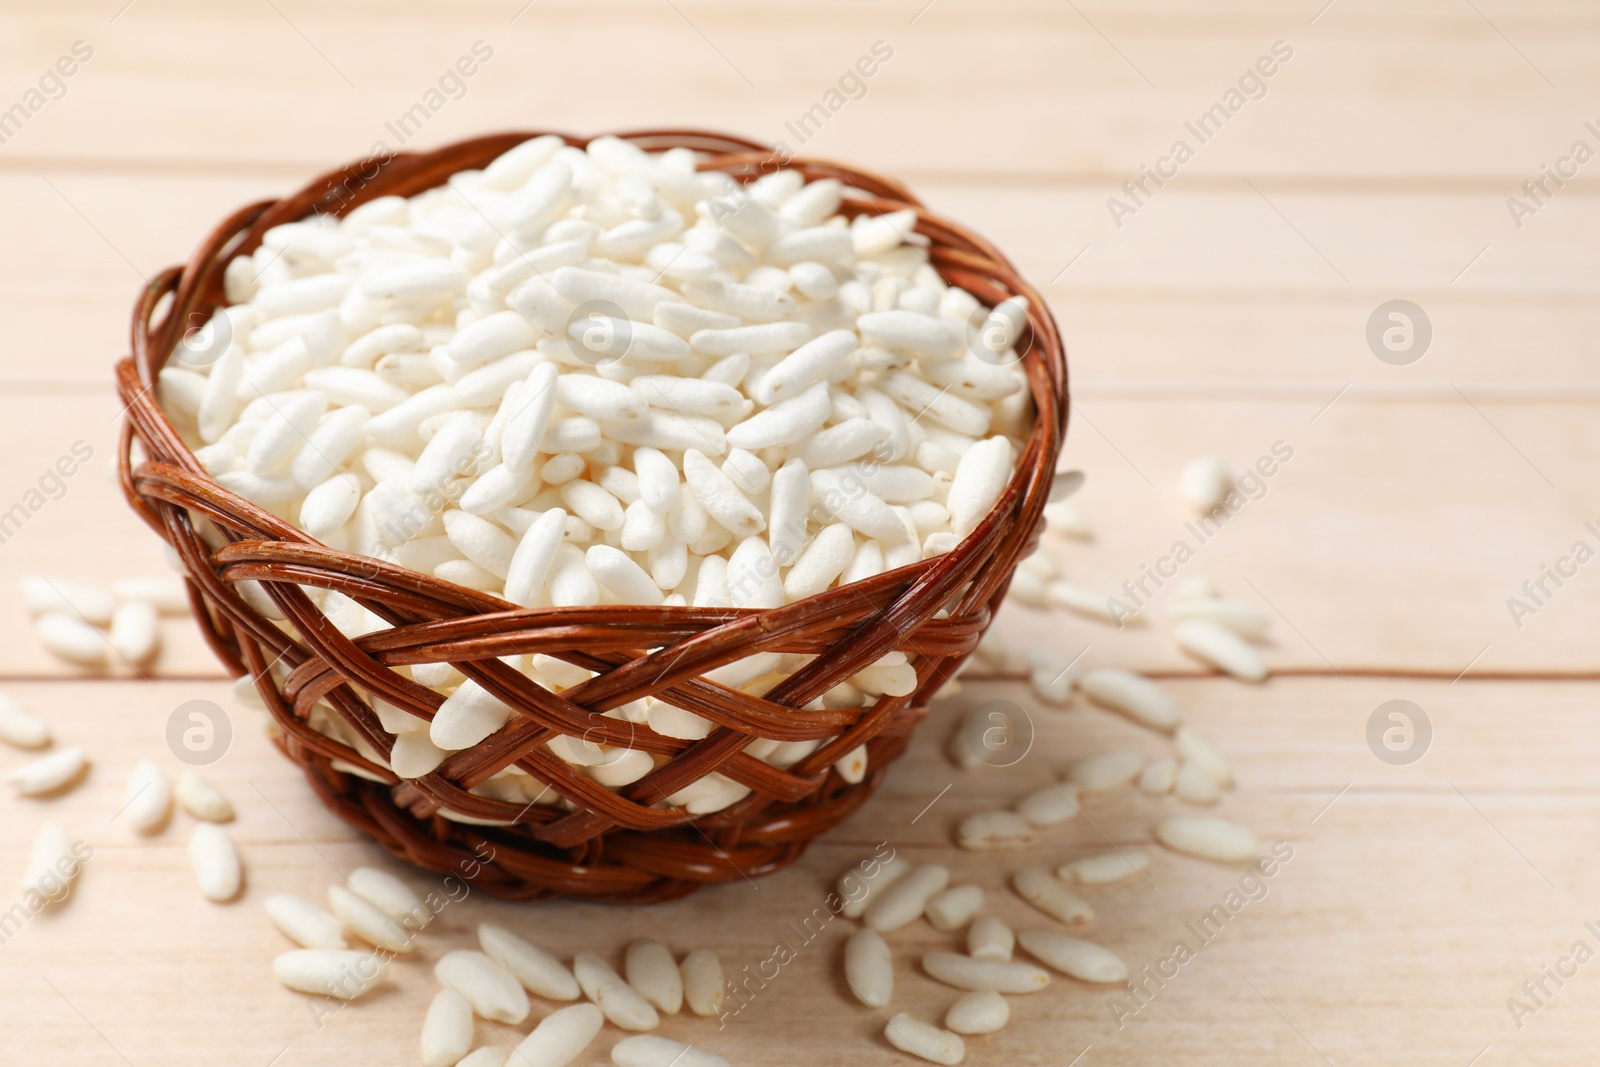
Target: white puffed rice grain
{"points": [[1212, 839]]}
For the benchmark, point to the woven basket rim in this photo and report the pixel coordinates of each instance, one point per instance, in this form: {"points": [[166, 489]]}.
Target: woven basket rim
{"points": [[174, 480]]}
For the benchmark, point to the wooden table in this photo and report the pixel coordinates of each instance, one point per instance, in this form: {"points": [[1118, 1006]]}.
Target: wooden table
{"points": [[1228, 311]]}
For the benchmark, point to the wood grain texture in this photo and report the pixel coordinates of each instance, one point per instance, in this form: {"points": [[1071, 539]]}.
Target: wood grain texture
{"points": [[1371, 93], [1226, 314], [1414, 904]]}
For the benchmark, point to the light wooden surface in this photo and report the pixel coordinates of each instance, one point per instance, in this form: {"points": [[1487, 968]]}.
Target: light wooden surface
{"points": [[1226, 315]]}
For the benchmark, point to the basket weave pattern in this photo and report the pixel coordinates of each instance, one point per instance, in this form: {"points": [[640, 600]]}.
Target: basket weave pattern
{"points": [[616, 845]]}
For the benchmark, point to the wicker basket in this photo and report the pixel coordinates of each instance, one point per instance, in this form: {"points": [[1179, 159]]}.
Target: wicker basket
{"points": [[616, 845]]}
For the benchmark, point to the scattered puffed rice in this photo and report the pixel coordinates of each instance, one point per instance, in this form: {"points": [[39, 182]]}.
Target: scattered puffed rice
{"points": [[959, 747], [368, 922], [539, 972], [654, 975], [1132, 695], [1211, 839], [149, 798], [622, 1005], [902, 902], [1028, 588], [964, 972], [19, 729], [869, 968], [1194, 786], [489, 1056], [992, 650], [951, 909], [1246, 620], [491, 990], [1088, 602], [446, 1030], [304, 923], [1050, 805], [704, 987], [343, 975], [1067, 519], [981, 1012], [54, 863], [988, 938], [989, 830], [215, 860], [1220, 648], [857, 886], [1197, 588], [560, 1037], [201, 799], [72, 640], [1159, 778], [1073, 957], [924, 1040], [1064, 484], [45, 596], [648, 1050], [1105, 771], [1051, 675], [391, 896], [135, 633], [168, 595], [49, 774], [1205, 484], [1049, 895], [1104, 867], [1196, 750]]}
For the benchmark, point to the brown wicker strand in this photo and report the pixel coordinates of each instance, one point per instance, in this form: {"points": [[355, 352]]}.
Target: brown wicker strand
{"points": [[627, 844]]}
